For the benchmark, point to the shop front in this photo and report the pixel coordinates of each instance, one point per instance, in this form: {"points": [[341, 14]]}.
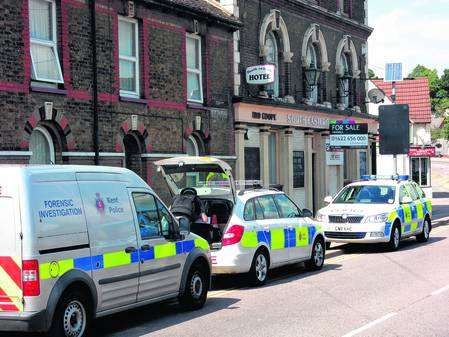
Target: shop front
{"points": [[288, 148]]}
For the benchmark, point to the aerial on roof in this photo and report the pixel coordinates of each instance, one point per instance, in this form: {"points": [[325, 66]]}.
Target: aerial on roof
{"points": [[415, 93], [208, 7]]}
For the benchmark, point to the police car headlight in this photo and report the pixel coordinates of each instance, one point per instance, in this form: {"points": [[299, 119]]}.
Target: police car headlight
{"points": [[378, 218], [321, 217]]}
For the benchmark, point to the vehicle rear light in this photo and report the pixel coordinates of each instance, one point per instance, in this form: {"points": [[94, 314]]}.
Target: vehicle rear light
{"points": [[233, 235], [30, 278]]}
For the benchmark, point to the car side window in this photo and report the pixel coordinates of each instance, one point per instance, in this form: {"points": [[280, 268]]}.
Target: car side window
{"points": [[259, 210], [403, 193], [269, 208], [248, 213], [419, 191], [147, 215], [287, 208], [165, 219], [411, 192]]}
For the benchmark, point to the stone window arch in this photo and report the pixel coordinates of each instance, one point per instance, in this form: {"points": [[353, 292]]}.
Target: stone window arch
{"points": [[346, 46], [273, 25]]}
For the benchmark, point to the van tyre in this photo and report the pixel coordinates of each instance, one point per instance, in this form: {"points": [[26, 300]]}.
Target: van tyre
{"points": [[316, 261], [425, 234], [196, 288], [395, 238], [258, 273], [72, 316]]}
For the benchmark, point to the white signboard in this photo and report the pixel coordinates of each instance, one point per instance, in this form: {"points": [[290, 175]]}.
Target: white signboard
{"points": [[334, 158], [352, 140], [261, 74]]}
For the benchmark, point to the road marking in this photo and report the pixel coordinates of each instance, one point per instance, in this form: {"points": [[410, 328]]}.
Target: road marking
{"points": [[370, 325], [441, 290]]}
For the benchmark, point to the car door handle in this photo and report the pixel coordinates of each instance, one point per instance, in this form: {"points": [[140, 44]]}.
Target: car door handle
{"points": [[130, 250], [145, 248]]}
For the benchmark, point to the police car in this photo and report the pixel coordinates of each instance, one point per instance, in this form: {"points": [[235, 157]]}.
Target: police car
{"points": [[249, 231], [377, 210]]}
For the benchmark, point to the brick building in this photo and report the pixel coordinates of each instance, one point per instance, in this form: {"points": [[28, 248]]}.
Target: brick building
{"points": [[163, 81], [319, 52]]}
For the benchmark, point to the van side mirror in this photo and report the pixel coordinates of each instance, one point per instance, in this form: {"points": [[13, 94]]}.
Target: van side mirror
{"points": [[328, 199], [307, 213]]}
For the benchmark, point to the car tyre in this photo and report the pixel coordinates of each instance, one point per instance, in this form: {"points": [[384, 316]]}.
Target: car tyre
{"points": [[316, 261], [395, 239], [425, 234], [72, 316], [196, 288], [258, 273]]}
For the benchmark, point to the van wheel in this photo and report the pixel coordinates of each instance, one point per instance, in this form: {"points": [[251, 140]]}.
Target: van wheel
{"points": [[72, 316], [317, 258], [425, 234], [395, 239], [196, 288], [258, 273]]}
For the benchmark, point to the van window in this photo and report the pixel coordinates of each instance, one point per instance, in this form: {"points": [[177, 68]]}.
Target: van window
{"points": [[268, 207], [419, 191], [248, 213], [287, 208], [403, 193], [165, 219], [147, 215], [411, 191]]}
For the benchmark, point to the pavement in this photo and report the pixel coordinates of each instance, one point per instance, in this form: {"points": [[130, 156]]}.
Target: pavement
{"points": [[361, 291]]}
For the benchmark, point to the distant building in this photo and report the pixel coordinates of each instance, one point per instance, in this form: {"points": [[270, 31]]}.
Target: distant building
{"points": [[415, 93]]}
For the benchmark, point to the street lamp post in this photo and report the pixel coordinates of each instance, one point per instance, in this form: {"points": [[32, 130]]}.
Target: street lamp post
{"points": [[312, 76], [345, 84]]}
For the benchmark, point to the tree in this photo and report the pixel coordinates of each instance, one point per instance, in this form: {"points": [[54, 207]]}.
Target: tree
{"points": [[372, 74], [439, 87]]}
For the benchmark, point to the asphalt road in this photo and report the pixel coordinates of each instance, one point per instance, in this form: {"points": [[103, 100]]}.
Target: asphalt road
{"points": [[361, 291]]}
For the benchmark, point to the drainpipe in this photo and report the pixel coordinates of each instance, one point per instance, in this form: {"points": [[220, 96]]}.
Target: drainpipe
{"points": [[93, 30]]}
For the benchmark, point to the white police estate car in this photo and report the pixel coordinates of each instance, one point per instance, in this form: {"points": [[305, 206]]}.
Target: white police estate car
{"points": [[250, 231], [376, 210]]}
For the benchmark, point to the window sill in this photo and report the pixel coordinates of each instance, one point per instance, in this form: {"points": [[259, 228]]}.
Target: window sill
{"points": [[133, 100], [194, 105], [48, 90]]}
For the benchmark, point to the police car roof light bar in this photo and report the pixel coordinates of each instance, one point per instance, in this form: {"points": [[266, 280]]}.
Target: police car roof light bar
{"points": [[385, 177]]}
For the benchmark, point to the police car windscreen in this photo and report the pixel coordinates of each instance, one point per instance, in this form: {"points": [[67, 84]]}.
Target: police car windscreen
{"points": [[366, 194]]}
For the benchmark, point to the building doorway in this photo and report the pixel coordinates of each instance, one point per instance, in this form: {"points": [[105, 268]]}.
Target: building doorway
{"points": [[41, 146], [133, 158]]}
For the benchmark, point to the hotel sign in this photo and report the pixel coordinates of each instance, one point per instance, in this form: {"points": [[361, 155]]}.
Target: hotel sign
{"points": [[261, 74]]}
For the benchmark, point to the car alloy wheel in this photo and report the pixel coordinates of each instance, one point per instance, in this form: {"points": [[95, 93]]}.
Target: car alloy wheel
{"points": [[196, 286], [318, 255], [396, 237], [261, 267]]}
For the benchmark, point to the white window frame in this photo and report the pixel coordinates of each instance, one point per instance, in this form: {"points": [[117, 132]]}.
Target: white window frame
{"points": [[312, 95], [276, 84], [136, 60], [52, 44], [196, 71]]}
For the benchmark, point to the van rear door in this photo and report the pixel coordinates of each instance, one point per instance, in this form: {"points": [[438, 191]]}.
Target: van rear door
{"points": [[10, 254]]}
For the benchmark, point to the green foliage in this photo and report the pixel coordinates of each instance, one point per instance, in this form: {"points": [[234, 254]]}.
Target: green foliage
{"points": [[439, 87], [372, 74]]}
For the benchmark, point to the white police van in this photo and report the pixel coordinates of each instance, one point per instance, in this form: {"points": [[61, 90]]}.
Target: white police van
{"points": [[80, 242], [250, 231], [377, 209]]}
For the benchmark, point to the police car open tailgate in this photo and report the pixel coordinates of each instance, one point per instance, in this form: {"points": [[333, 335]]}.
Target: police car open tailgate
{"points": [[192, 165], [11, 294]]}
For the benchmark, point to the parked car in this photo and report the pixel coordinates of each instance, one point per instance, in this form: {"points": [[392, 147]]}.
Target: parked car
{"points": [[250, 231], [377, 210], [82, 242]]}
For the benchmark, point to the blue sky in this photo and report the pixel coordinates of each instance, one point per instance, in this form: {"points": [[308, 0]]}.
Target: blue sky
{"points": [[409, 31]]}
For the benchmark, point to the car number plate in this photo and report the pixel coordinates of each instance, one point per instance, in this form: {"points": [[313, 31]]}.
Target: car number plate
{"points": [[343, 228]]}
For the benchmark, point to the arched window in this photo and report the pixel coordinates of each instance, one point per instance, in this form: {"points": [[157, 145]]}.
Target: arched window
{"points": [[192, 148], [272, 57], [41, 146], [312, 63], [345, 80]]}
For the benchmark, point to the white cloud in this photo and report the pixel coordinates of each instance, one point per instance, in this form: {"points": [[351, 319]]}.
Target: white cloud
{"points": [[411, 36]]}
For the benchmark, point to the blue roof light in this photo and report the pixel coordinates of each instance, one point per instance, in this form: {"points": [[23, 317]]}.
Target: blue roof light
{"points": [[385, 177]]}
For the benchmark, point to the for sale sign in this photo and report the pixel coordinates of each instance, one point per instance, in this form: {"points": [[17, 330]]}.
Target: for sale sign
{"points": [[348, 134]]}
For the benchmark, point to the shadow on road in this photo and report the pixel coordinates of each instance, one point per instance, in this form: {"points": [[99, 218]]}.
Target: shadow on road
{"points": [[440, 195], [147, 319]]}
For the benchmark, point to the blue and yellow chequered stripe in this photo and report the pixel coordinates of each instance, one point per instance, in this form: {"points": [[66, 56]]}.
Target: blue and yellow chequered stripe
{"points": [[411, 216], [280, 238], [117, 259]]}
